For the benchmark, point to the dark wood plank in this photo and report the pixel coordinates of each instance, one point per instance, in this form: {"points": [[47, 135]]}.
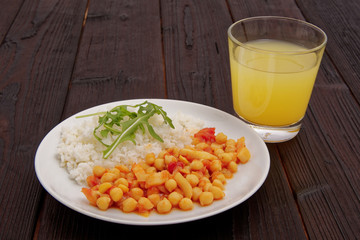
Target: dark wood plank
{"points": [[120, 55], [43, 36], [195, 50], [9, 9]]}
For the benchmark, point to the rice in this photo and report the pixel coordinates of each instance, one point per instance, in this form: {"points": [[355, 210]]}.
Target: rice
{"points": [[79, 151]]}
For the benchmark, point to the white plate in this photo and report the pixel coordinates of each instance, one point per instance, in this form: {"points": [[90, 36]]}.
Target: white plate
{"points": [[244, 184]]}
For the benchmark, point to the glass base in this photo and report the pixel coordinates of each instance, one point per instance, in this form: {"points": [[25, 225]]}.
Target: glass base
{"points": [[276, 134]]}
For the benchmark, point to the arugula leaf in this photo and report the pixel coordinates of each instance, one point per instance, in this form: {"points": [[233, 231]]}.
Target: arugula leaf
{"points": [[123, 123]]}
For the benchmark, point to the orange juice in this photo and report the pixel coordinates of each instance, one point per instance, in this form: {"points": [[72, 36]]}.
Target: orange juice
{"points": [[272, 88]]}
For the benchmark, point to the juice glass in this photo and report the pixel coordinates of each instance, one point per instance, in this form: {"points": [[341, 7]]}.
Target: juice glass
{"points": [[274, 62]]}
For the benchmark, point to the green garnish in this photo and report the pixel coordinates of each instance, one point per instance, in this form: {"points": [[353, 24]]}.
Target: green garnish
{"points": [[115, 122]]}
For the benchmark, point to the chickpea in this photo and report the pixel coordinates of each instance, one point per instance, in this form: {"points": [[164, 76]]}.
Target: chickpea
{"points": [[154, 198], [217, 192], [214, 146], [108, 177], [116, 194], [150, 159], [164, 206], [115, 171], [230, 148], [206, 198], [122, 181], [151, 170], [175, 198], [226, 157], [232, 167], [169, 158], [221, 138], [159, 164], [103, 203], [170, 185], [196, 194], [192, 179], [218, 183], [136, 193], [123, 168], [201, 146], [104, 187], [215, 165], [218, 151], [186, 204], [124, 188], [196, 165], [145, 203], [129, 205], [244, 155], [98, 171], [207, 187]]}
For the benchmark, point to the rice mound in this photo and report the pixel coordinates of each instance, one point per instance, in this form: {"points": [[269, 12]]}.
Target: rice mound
{"points": [[79, 151]]}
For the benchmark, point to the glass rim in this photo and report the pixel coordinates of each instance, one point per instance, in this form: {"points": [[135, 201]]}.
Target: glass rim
{"points": [[316, 28]]}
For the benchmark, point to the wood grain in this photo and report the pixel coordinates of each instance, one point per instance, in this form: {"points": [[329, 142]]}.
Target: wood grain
{"points": [[196, 59], [129, 50], [36, 44]]}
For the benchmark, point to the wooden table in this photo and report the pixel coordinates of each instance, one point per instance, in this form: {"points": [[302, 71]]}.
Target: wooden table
{"points": [[60, 57]]}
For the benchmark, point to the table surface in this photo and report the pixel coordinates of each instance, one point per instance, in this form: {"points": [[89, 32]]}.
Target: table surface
{"points": [[60, 57]]}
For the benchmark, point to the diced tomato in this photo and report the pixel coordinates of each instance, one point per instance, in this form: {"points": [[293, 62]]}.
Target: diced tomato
{"points": [[206, 135], [90, 195], [174, 165], [92, 181]]}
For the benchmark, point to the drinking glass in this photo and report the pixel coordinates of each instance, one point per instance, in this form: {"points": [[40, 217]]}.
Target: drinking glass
{"points": [[274, 62]]}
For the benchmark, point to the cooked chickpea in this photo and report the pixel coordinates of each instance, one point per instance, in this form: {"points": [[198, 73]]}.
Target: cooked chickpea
{"points": [[122, 181], [164, 206], [214, 146], [150, 159], [221, 138], [98, 171], [151, 170], [192, 179], [154, 198], [116, 194], [104, 187], [206, 198], [207, 187], [232, 167], [169, 158], [201, 146], [108, 177], [123, 168], [145, 203], [219, 176], [170, 185], [115, 171], [196, 194], [124, 188], [230, 142], [129, 205], [226, 157], [230, 148], [103, 203], [218, 183], [217, 192], [218, 151], [244, 155], [136, 193], [215, 165], [159, 164], [175, 198], [186, 204], [196, 165]]}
